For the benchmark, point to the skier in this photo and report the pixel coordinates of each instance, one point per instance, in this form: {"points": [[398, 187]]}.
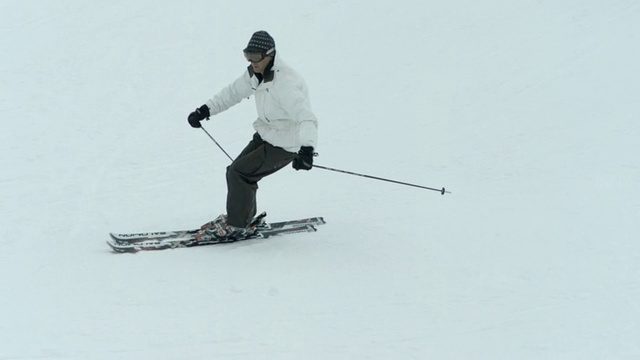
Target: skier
{"points": [[286, 131]]}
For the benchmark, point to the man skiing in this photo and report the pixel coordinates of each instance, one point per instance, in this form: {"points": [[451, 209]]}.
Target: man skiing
{"points": [[286, 131]]}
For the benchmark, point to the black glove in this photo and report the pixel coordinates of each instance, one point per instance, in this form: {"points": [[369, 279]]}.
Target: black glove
{"points": [[304, 158], [200, 114]]}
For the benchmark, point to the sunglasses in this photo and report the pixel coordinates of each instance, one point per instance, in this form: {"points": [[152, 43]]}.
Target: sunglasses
{"points": [[256, 57]]}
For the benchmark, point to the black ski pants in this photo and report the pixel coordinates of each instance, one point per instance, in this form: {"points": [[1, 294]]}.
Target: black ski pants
{"points": [[257, 160]]}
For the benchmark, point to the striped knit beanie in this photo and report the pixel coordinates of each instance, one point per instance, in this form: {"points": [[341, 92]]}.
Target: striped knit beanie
{"points": [[261, 42]]}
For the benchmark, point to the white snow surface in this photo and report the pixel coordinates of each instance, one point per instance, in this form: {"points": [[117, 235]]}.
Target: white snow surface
{"points": [[527, 111]]}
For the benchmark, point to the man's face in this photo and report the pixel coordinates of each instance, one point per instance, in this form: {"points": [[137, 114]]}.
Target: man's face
{"points": [[260, 66], [259, 61]]}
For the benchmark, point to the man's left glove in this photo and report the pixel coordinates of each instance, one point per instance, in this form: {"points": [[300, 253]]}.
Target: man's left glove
{"points": [[304, 158], [200, 114]]}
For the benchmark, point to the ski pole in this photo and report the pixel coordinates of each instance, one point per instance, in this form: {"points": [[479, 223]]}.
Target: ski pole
{"points": [[442, 191], [214, 140]]}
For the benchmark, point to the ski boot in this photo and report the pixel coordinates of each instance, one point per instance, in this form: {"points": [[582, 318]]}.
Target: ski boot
{"points": [[219, 230]]}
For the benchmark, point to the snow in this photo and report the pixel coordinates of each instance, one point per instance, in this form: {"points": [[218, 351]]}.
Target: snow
{"points": [[526, 111]]}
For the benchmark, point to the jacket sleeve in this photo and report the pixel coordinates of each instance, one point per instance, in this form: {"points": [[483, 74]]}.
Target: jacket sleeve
{"points": [[234, 93], [298, 106]]}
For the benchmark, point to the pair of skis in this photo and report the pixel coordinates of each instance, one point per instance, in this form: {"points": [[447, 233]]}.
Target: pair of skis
{"points": [[162, 240]]}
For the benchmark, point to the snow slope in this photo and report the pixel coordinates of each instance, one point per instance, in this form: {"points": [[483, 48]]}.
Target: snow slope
{"points": [[527, 111]]}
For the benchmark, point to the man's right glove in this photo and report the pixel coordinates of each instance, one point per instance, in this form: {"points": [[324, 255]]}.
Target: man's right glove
{"points": [[304, 158], [200, 114]]}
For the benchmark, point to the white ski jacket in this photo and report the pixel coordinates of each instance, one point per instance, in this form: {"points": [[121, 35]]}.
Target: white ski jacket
{"points": [[285, 118]]}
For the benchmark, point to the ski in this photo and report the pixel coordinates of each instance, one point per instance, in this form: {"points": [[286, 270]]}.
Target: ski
{"points": [[189, 234], [148, 244], [160, 240]]}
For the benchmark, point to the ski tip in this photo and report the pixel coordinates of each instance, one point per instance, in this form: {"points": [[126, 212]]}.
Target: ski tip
{"points": [[112, 246], [120, 250]]}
